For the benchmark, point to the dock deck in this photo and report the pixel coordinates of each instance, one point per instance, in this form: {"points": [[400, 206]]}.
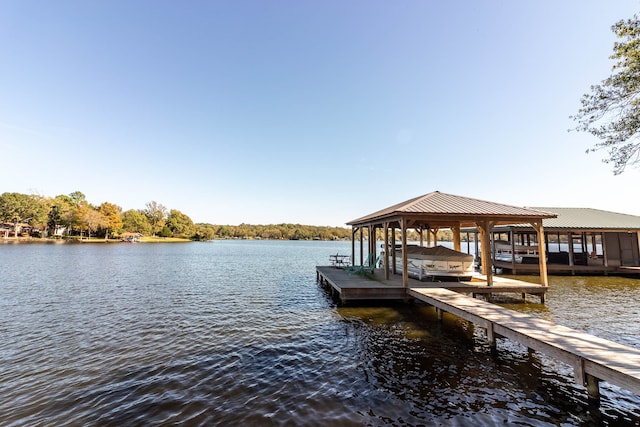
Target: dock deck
{"points": [[593, 359], [354, 287]]}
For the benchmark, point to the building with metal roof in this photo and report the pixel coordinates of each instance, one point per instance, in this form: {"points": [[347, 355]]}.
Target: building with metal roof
{"points": [[434, 211], [577, 240]]}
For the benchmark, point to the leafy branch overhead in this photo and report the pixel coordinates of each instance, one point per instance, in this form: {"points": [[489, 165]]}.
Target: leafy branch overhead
{"points": [[611, 111]]}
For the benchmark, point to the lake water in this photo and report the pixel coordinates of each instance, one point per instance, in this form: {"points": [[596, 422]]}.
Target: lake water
{"points": [[239, 332]]}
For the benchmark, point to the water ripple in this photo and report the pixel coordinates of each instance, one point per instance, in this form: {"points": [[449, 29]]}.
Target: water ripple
{"points": [[232, 333]]}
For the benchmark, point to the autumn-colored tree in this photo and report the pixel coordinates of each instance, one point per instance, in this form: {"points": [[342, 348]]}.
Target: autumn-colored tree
{"points": [[93, 220], [113, 220]]}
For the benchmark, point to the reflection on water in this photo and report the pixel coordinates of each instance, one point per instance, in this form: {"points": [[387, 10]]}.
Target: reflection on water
{"points": [[228, 333]]}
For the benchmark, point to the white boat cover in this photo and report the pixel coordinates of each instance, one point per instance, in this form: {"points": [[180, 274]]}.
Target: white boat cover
{"points": [[437, 261]]}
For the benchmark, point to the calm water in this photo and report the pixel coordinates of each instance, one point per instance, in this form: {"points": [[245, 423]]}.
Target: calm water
{"points": [[238, 332]]}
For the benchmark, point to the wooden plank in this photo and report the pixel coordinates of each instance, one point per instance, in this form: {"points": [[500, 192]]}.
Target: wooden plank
{"points": [[589, 355]]}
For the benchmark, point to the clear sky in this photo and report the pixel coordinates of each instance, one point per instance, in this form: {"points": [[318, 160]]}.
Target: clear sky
{"points": [[312, 112]]}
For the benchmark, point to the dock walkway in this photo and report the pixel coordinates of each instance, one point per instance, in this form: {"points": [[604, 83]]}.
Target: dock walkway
{"points": [[593, 359]]}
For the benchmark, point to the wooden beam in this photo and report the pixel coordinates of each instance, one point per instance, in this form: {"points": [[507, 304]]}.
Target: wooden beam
{"points": [[405, 261], [393, 249], [361, 243], [485, 227], [386, 250], [353, 244], [542, 252], [456, 237]]}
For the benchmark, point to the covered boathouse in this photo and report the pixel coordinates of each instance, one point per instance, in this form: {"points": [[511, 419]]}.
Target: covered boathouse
{"points": [[576, 241], [435, 211]]}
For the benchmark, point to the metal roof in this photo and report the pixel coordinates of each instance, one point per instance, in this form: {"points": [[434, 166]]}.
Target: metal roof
{"points": [[449, 207], [587, 218]]}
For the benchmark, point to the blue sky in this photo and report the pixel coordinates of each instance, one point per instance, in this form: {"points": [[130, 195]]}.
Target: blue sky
{"points": [[313, 112]]}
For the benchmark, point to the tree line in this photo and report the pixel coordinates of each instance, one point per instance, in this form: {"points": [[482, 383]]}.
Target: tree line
{"points": [[72, 215]]}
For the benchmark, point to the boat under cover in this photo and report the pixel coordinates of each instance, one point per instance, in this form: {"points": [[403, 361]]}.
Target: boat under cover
{"points": [[436, 262]]}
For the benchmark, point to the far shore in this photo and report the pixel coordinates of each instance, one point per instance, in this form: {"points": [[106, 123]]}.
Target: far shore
{"points": [[74, 240]]}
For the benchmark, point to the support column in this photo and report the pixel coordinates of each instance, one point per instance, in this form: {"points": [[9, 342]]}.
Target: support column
{"points": [[372, 243], [386, 250], [405, 268], [353, 245], [593, 387], [393, 250], [485, 247], [361, 246], [456, 237], [542, 253]]}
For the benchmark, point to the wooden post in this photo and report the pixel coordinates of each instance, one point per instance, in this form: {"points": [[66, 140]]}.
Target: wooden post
{"points": [[405, 267], [372, 242], [361, 244], [605, 256], [353, 245], [456, 237], [542, 253], [386, 250], [593, 387], [485, 247], [435, 236], [393, 249], [491, 336], [512, 237]]}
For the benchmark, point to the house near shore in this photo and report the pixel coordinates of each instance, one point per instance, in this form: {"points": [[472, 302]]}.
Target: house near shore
{"points": [[9, 229], [577, 241]]}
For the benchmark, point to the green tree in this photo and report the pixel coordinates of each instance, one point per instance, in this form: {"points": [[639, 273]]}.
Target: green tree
{"points": [[180, 224], [204, 232], [136, 222], [19, 208], [156, 215], [611, 112], [61, 213]]}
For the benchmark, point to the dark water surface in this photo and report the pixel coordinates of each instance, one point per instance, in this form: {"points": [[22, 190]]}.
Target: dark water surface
{"points": [[238, 332]]}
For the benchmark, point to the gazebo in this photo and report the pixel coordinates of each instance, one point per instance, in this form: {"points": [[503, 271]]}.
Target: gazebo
{"points": [[435, 211]]}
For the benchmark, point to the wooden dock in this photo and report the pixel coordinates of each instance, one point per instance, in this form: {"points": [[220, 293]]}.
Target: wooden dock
{"points": [[354, 287], [593, 359]]}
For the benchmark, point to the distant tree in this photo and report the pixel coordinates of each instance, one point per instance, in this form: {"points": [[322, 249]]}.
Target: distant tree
{"points": [[113, 219], [180, 224], [165, 232], [225, 231], [156, 215], [77, 197], [611, 112], [136, 222], [92, 220], [19, 208], [60, 213], [204, 232]]}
